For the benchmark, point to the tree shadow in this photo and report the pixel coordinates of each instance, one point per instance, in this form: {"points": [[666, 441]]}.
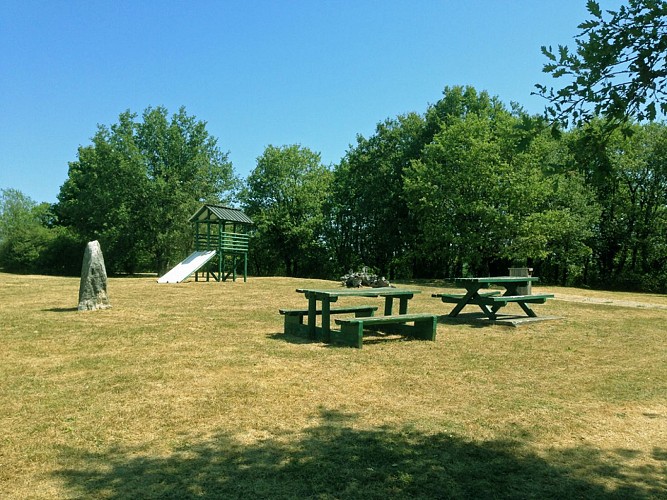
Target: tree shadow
{"points": [[334, 460]]}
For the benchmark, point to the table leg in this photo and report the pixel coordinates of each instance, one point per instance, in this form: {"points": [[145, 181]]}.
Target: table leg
{"points": [[510, 289], [527, 309], [463, 302], [326, 320], [490, 313], [312, 317], [388, 305], [497, 307], [403, 307]]}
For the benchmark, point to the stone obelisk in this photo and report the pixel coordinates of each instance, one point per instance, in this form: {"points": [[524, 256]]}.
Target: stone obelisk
{"points": [[93, 288]]}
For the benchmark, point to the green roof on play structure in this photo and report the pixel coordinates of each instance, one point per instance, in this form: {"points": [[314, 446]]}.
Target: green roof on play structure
{"points": [[219, 213]]}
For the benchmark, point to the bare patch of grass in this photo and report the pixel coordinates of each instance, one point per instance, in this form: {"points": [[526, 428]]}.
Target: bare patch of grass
{"points": [[192, 390]]}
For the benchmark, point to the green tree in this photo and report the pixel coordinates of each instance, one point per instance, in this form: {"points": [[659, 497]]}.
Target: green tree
{"points": [[371, 223], [23, 237], [491, 191], [558, 236], [619, 69], [284, 195], [627, 174], [374, 220], [138, 183], [462, 192], [16, 210], [638, 163]]}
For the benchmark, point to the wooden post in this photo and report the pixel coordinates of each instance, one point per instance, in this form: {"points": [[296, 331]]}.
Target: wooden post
{"points": [[196, 246], [220, 269]]}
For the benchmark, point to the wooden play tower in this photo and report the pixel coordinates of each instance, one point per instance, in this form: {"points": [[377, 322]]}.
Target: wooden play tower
{"points": [[224, 230]]}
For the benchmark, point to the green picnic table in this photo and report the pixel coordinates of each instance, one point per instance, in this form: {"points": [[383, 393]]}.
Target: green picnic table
{"points": [[326, 296], [490, 302]]}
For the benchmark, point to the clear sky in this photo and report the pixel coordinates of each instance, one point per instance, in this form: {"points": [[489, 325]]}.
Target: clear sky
{"points": [[259, 72]]}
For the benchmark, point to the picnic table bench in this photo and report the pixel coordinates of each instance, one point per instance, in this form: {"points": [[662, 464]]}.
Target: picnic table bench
{"points": [[320, 302], [294, 323], [490, 302], [352, 329]]}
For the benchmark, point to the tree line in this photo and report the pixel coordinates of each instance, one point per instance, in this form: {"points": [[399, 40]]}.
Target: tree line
{"points": [[132, 189], [470, 187], [467, 187]]}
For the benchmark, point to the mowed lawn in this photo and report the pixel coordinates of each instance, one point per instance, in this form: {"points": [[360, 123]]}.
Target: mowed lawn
{"points": [[193, 391]]}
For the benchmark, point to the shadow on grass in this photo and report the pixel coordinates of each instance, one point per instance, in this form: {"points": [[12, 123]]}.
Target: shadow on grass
{"points": [[62, 309], [333, 460], [291, 339], [473, 320], [370, 338]]}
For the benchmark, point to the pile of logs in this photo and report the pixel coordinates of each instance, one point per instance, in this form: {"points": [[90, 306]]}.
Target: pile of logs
{"points": [[363, 278]]}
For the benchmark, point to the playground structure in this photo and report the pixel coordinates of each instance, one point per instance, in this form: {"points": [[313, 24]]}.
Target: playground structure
{"points": [[220, 232]]}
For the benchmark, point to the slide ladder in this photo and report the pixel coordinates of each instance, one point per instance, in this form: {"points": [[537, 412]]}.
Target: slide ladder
{"points": [[189, 265]]}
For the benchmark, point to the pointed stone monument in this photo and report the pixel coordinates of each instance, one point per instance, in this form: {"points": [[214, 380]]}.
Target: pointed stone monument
{"points": [[93, 288]]}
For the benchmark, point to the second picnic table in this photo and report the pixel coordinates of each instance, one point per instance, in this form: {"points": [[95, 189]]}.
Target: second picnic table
{"points": [[491, 302], [326, 296]]}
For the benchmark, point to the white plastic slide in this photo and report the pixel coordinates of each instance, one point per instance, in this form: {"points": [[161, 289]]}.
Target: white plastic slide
{"points": [[188, 266]]}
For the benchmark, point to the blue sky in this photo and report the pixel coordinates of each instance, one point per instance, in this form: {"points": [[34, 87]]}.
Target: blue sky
{"points": [[309, 72]]}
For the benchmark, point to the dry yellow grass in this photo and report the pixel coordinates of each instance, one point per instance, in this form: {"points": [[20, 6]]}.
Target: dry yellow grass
{"points": [[192, 390]]}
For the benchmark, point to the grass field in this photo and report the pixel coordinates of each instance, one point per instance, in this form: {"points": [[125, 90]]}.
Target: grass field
{"points": [[193, 391]]}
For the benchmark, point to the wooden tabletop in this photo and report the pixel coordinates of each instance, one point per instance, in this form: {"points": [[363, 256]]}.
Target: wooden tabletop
{"points": [[359, 292], [498, 279]]}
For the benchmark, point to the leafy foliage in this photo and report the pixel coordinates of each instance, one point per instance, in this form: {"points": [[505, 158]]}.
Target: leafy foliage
{"points": [[135, 187], [485, 200], [472, 187], [29, 242], [628, 176], [370, 220], [619, 69], [284, 195], [22, 237], [467, 187]]}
